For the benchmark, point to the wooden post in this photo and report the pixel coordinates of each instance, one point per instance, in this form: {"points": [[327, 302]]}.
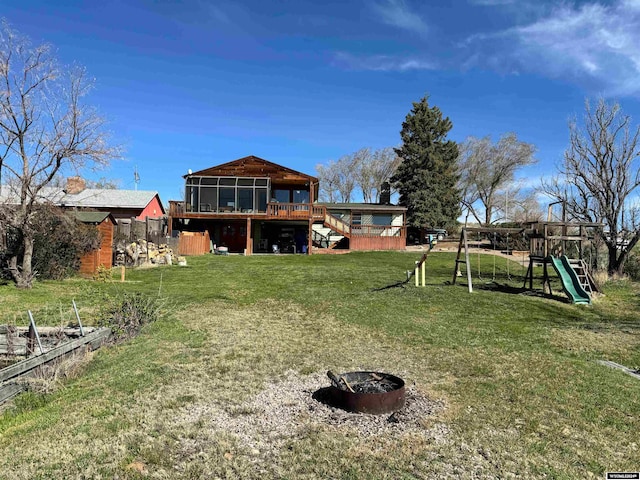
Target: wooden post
{"points": [[146, 236], [122, 270], [424, 272], [545, 279], [580, 251], [416, 274], [457, 269], [466, 256], [31, 341], [310, 237], [249, 250]]}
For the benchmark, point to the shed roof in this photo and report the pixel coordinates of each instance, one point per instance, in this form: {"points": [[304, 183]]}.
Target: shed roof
{"points": [[91, 217]]}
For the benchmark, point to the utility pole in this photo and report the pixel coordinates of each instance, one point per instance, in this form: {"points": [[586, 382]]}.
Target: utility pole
{"points": [[136, 177]]}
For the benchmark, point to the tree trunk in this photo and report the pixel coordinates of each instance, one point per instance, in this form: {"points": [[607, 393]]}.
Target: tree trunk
{"points": [[616, 262], [23, 276], [487, 216]]}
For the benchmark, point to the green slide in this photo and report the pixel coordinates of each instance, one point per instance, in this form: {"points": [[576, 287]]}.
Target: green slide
{"points": [[570, 281]]}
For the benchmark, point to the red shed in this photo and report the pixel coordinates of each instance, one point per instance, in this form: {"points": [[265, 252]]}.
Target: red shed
{"points": [[105, 223]]}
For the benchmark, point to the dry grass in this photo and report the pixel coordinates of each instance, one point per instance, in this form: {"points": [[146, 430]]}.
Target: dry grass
{"points": [[175, 430], [516, 390], [599, 344], [52, 376]]}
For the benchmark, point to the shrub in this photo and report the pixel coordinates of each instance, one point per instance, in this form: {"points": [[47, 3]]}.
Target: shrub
{"points": [[632, 267], [59, 242], [102, 274], [126, 314]]}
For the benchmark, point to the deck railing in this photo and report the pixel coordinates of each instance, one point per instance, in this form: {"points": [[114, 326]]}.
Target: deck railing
{"points": [[378, 230], [290, 211], [176, 208]]}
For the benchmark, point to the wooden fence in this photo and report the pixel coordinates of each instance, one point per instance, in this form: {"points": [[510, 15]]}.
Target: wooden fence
{"points": [[194, 243], [357, 242], [151, 229]]}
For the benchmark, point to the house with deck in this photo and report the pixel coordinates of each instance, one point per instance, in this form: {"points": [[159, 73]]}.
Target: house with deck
{"points": [[252, 205]]}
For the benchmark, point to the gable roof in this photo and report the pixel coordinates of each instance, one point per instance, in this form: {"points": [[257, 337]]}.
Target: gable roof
{"points": [[90, 197], [252, 166]]}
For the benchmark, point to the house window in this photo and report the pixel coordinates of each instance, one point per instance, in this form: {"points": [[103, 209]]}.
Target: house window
{"points": [[192, 196], [281, 196], [245, 199], [356, 218], [227, 198], [208, 199], [227, 194], [261, 199], [300, 196], [382, 219]]}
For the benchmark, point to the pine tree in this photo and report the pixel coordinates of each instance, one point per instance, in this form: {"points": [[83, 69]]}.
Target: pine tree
{"points": [[428, 176]]}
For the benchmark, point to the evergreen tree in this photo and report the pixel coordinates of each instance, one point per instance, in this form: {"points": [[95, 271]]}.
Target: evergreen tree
{"points": [[428, 176]]}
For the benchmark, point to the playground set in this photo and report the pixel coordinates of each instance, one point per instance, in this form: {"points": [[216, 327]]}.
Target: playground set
{"points": [[551, 242]]}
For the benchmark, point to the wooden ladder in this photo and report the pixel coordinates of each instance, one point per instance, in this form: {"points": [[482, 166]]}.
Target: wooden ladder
{"points": [[584, 276]]}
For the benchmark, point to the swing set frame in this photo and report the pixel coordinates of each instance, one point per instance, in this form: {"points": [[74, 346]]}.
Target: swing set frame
{"points": [[464, 242]]}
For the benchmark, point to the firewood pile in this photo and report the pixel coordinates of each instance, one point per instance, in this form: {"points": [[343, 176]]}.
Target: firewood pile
{"points": [[141, 251]]}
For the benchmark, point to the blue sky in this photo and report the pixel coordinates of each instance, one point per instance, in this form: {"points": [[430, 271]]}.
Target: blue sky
{"points": [[190, 84]]}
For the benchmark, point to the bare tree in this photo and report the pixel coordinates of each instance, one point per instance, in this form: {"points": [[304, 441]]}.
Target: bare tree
{"points": [[487, 168], [518, 205], [104, 183], [329, 179], [365, 169], [45, 130], [375, 169], [346, 168], [337, 179], [599, 176]]}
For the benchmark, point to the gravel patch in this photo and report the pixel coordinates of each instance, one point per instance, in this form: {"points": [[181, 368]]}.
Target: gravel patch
{"points": [[288, 409]]}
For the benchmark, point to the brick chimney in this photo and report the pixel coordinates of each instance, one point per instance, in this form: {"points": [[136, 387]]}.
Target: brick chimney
{"points": [[385, 194], [75, 185]]}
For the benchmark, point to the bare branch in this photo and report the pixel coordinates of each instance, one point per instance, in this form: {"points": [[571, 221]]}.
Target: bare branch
{"points": [[487, 169], [45, 129], [599, 174]]}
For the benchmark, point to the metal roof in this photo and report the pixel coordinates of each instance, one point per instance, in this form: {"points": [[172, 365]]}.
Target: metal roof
{"points": [[88, 198]]}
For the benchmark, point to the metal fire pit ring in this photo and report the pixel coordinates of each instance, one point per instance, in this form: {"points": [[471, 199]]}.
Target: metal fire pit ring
{"points": [[372, 403]]}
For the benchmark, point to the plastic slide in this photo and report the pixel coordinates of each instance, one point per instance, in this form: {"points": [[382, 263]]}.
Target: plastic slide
{"points": [[570, 282]]}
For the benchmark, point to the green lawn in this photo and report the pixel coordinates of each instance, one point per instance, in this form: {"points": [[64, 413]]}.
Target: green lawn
{"points": [[515, 375]]}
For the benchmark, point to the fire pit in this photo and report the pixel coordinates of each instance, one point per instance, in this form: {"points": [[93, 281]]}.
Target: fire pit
{"points": [[367, 392]]}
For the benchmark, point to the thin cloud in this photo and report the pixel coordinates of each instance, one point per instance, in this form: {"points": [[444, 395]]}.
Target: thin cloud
{"points": [[595, 41], [381, 63], [396, 13]]}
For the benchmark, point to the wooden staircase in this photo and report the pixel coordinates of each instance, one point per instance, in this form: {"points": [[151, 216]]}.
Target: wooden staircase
{"points": [[584, 276], [328, 239], [336, 224], [336, 230]]}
